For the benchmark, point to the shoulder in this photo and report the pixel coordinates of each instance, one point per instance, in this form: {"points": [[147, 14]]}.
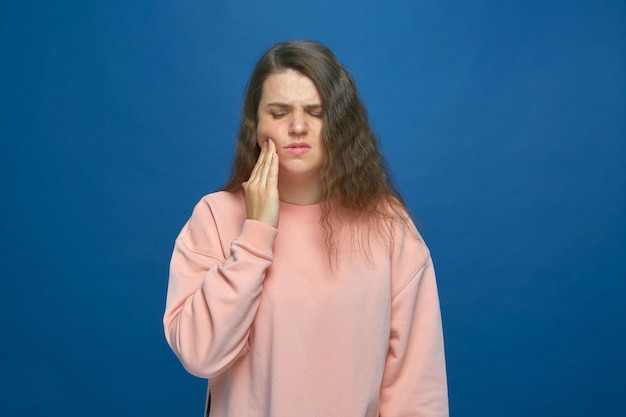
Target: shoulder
{"points": [[222, 200], [402, 229], [214, 216], [218, 205], [410, 254], [406, 239]]}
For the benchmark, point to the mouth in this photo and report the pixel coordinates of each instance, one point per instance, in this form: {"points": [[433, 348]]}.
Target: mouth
{"points": [[298, 145], [298, 148]]}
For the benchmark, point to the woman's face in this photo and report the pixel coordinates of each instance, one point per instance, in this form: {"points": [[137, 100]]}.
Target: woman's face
{"points": [[290, 113]]}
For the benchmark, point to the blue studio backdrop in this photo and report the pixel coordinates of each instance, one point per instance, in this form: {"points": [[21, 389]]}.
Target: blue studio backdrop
{"points": [[503, 122]]}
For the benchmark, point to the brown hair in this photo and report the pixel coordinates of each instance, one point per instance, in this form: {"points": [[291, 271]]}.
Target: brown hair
{"points": [[354, 176]]}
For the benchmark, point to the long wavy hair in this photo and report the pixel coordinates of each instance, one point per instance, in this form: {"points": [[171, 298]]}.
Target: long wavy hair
{"points": [[354, 178]]}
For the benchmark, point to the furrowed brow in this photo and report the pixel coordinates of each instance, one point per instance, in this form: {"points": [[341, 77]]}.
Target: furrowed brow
{"points": [[286, 105], [277, 104]]}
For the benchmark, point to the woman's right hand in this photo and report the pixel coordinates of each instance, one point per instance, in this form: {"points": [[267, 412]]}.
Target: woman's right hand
{"points": [[261, 189]]}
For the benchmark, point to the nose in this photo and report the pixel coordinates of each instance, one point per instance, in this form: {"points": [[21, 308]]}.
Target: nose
{"points": [[298, 125]]}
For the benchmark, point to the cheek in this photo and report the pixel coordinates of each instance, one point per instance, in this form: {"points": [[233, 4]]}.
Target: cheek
{"points": [[262, 129], [267, 129]]}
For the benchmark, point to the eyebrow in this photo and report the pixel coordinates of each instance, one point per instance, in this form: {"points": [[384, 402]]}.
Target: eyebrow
{"points": [[285, 105]]}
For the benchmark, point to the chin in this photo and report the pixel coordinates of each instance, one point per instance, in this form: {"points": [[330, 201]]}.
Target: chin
{"points": [[298, 169]]}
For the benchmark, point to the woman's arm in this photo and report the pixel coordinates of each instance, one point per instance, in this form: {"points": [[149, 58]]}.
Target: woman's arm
{"points": [[212, 297], [414, 383], [212, 302]]}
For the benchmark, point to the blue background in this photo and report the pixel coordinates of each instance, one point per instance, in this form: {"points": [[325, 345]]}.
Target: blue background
{"points": [[504, 123]]}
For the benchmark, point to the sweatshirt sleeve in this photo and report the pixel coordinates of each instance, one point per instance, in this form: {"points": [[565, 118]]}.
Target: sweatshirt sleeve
{"points": [[212, 297], [414, 382]]}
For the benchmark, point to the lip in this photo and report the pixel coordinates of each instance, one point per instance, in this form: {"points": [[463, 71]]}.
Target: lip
{"points": [[297, 148], [298, 145]]}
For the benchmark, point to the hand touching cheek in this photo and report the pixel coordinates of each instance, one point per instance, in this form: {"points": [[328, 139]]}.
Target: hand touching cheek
{"points": [[261, 189]]}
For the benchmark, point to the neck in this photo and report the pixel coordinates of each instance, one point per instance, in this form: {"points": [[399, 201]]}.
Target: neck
{"points": [[299, 191]]}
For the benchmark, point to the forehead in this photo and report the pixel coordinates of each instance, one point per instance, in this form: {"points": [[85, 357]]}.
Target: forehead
{"points": [[290, 87]]}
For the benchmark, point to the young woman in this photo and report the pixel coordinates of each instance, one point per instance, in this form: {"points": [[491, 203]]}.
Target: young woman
{"points": [[303, 288]]}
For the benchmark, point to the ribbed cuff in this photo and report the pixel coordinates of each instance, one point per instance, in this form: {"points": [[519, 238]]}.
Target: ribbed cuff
{"points": [[258, 235]]}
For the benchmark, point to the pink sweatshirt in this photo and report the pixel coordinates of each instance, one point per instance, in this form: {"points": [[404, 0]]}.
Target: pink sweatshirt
{"points": [[259, 312]]}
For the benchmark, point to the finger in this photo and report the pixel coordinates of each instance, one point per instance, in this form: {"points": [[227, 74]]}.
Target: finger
{"points": [[267, 158], [272, 145], [267, 163], [272, 174], [259, 162]]}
